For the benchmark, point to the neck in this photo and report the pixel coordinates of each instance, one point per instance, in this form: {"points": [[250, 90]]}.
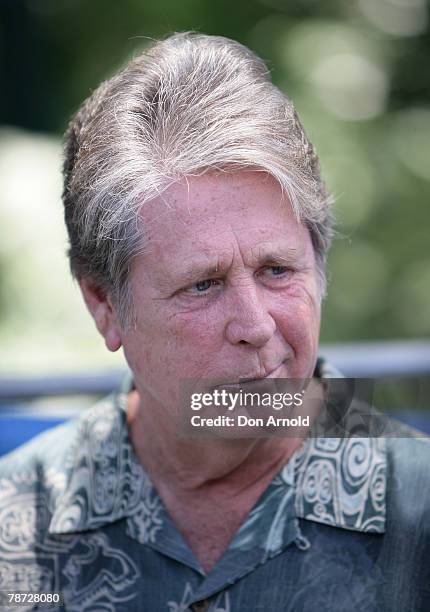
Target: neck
{"points": [[214, 468]]}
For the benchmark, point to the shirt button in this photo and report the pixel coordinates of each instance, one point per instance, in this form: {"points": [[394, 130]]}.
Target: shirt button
{"points": [[201, 606]]}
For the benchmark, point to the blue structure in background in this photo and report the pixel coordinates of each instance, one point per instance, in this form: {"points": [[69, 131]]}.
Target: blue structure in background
{"points": [[18, 430], [21, 420]]}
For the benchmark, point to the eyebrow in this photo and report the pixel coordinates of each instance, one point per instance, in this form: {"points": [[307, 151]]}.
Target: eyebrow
{"points": [[195, 270]]}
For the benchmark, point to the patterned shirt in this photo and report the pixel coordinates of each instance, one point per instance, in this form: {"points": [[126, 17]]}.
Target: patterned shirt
{"points": [[343, 526]]}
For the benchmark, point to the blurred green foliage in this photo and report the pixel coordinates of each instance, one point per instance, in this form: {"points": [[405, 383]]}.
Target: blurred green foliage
{"points": [[357, 71]]}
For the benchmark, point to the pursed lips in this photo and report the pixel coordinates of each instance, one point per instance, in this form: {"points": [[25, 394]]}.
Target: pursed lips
{"points": [[239, 381], [271, 373]]}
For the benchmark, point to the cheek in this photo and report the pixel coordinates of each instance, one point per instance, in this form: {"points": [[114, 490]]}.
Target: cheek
{"points": [[299, 327], [298, 321], [197, 335], [179, 345]]}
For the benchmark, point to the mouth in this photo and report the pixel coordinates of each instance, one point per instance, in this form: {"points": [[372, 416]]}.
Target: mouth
{"points": [[268, 374], [259, 380]]}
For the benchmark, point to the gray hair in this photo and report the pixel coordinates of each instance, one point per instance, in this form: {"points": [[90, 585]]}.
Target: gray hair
{"points": [[188, 104]]}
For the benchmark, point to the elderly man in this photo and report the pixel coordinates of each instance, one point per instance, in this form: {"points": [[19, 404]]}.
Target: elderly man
{"points": [[199, 226]]}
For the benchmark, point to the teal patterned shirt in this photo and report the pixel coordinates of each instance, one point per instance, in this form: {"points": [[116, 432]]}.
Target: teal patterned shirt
{"points": [[343, 526]]}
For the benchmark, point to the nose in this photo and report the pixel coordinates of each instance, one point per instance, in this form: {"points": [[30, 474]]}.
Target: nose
{"points": [[249, 321]]}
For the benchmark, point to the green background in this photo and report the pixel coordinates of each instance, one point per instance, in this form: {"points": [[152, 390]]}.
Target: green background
{"points": [[358, 73]]}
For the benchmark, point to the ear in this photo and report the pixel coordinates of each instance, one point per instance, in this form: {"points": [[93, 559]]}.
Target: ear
{"points": [[103, 313]]}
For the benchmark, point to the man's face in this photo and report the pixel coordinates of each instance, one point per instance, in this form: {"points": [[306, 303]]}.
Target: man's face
{"points": [[226, 289]]}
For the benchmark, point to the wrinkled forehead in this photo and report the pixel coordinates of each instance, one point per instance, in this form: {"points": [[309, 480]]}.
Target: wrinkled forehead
{"points": [[249, 204], [210, 221]]}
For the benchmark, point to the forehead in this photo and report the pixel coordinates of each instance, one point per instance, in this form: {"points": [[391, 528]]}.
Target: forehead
{"points": [[211, 212]]}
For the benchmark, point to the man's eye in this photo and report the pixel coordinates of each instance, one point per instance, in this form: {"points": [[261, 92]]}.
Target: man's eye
{"points": [[273, 271], [203, 286], [278, 270], [276, 275]]}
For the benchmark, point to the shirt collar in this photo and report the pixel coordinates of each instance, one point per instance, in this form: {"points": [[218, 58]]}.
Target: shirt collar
{"points": [[339, 482]]}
